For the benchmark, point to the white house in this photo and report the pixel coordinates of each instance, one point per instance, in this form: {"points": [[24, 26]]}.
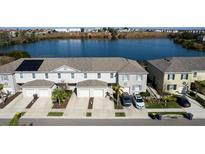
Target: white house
{"points": [[89, 77]]}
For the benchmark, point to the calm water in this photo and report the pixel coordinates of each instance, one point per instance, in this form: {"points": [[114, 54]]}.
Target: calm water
{"points": [[134, 49]]}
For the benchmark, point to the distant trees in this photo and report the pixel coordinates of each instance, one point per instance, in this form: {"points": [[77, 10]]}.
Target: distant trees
{"points": [[188, 40]]}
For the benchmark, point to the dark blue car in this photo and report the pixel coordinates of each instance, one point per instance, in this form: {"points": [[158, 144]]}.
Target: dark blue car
{"points": [[126, 99], [182, 101]]}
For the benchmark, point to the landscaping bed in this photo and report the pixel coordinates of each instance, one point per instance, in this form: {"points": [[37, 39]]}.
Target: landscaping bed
{"points": [[197, 98], [55, 114], [172, 115], [63, 104], [9, 99]]}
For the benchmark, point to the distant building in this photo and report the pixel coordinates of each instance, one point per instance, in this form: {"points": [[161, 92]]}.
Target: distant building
{"points": [[201, 38], [62, 30], [74, 29]]}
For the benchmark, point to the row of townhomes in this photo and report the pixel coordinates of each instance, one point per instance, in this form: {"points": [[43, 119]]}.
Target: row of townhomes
{"points": [[88, 77], [175, 75], [94, 77]]}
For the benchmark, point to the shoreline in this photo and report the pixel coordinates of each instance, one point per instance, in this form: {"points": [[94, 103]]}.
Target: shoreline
{"points": [[86, 36]]}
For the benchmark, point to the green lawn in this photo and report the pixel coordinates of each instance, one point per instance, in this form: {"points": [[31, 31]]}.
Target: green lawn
{"points": [[55, 114], [165, 113], [162, 105], [119, 114], [88, 114]]}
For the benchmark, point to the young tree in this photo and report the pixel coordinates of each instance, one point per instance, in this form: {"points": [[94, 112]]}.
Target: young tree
{"points": [[59, 95], [118, 90]]}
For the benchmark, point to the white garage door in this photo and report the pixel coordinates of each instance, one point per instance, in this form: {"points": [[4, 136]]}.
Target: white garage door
{"points": [[83, 93], [98, 93], [30, 92], [43, 93]]}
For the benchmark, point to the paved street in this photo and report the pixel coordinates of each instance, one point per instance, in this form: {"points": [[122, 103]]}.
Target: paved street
{"points": [[113, 122]]}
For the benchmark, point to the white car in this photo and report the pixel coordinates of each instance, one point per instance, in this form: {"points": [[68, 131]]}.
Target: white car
{"points": [[138, 101]]}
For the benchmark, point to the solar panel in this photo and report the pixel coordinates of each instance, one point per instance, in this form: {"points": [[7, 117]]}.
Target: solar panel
{"points": [[29, 65]]}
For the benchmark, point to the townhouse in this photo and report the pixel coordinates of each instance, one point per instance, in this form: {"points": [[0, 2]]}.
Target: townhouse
{"points": [[176, 74], [88, 77]]}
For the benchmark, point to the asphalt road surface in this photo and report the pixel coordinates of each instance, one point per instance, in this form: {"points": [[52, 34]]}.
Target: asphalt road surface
{"points": [[107, 122]]}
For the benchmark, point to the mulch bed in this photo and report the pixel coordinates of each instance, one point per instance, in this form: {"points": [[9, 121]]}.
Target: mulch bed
{"points": [[10, 99], [90, 103], [61, 105], [31, 103]]}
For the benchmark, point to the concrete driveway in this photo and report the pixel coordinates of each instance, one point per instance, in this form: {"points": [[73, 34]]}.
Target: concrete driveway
{"points": [[17, 105], [103, 107], [40, 108], [77, 107], [196, 109]]}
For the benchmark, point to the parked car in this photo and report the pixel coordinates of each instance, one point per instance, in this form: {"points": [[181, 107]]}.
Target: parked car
{"points": [[183, 101], [138, 101], [126, 99]]}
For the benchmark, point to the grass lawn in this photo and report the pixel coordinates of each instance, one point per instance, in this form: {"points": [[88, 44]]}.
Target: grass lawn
{"points": [[55, 114], [161, 105], [119, 114], [165, 113], [88, 114]]}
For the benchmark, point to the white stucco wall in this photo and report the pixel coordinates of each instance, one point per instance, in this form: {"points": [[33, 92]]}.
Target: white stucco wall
{"points": [[133, 82], [65, 77]]}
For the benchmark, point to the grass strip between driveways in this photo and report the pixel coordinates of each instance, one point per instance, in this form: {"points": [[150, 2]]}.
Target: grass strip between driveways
{"points": [[55, 114], [120, 114], [88, 114]]}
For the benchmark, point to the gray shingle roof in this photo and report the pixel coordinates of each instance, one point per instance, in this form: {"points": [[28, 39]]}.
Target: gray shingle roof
{"points": [[92, 83], [179, 64], [39, 83], [105, 64]]}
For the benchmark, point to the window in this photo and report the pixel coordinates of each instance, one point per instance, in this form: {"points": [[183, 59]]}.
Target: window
{"points": [[171, 87], [195, 74], [85, 75], [171, 76], [184, 76], [111, 75], [4, 77], [59, 75], [72, 75], [21, 75], [139, 77], [33, 75], [99, 75], [125, 77], [46, 75]]}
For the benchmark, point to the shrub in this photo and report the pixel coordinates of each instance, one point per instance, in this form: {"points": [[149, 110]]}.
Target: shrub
{"points": [[19, 54]]}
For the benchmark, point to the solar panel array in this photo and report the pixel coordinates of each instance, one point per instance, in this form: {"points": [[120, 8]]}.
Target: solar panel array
{"points": [[29, 65]]}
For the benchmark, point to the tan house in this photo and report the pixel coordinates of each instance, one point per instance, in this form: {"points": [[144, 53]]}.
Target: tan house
{"points": [[176, 74]]}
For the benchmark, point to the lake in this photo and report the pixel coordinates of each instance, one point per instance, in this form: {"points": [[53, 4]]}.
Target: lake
{"points": [[137, 49]]}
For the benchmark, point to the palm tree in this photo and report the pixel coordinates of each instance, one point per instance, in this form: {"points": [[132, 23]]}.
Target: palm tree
{"points": [[59, 95], [118, 90]]}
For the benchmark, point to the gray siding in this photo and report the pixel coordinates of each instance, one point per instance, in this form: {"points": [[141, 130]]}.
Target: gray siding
{"points": [[156, 76]]}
